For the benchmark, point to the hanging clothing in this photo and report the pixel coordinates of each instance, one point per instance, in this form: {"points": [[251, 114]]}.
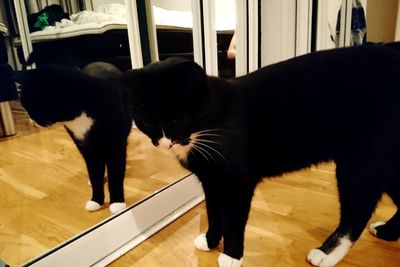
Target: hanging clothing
{"points": [[358, 34]]}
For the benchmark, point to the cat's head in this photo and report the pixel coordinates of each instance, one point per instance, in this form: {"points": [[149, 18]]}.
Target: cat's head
{"points": [[169, 101], [50, 93], [54, 93]]}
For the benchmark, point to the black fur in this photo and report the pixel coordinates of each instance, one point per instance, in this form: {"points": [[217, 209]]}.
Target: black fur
{"points": [[54, 93], [339, 105]]}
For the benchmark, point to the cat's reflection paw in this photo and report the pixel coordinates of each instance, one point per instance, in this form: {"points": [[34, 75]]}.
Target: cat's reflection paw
{"points": [[201, 242], [227, 261], [92, 205], [117, 207]]}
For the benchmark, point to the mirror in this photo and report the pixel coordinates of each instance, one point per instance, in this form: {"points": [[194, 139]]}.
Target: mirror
{"points": [[332, 28], [173, 20], [43, 178]]}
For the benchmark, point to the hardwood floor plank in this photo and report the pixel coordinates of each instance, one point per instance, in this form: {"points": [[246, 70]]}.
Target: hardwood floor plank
{"points": [[289, 216]]}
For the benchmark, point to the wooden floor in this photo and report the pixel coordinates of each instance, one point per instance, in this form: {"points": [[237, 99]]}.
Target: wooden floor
{"points": [[44, 188], [289, 216]]}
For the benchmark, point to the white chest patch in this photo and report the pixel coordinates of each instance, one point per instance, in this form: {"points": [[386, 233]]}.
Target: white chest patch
{"points": [[180, 151], [79, 126]]}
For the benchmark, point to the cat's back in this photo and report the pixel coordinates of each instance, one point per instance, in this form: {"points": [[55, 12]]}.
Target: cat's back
{"points": [[333, 67], [318, 103], [366, 73]]}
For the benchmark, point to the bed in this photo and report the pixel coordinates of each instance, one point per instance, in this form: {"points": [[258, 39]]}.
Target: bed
{"points": [[101, 35]]}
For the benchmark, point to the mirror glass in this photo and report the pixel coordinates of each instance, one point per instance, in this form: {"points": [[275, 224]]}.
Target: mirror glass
{"points": [[225, 25], [43, 178], [330, 20], [174, 21], [371, 21]]}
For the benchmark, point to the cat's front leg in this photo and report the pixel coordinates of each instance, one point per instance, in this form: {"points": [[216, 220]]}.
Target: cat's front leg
{"points": [[211, 239], [237, 196], [116, 164]]}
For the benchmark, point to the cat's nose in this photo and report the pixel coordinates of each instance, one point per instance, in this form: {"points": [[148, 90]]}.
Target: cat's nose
{"points": [[165, 142]]}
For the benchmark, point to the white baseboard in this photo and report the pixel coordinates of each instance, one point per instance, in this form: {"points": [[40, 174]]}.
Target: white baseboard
{"points": [[111, 238]]}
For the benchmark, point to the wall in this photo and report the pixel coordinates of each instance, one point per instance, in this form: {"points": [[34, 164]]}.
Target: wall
{"points": [[97, 3], [381, 20], [181, 5], [278, 30]]}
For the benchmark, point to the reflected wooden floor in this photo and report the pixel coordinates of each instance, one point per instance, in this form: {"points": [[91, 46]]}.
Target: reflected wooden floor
{"points": [[44, 188], [289, 216]]}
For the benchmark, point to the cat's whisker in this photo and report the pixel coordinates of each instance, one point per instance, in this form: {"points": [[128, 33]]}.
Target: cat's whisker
{"points": [[210, 147], [198, 149], [208, 130], [208, 134], [205, 151], [207, 141]]}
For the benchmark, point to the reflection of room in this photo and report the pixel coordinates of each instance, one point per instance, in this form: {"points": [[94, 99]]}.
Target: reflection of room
{"points": [[174, 21], [96, 30], [380, 19], [44, 188], [44, 182]]}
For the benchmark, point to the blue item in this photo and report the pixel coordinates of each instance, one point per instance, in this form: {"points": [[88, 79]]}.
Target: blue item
{"points": [[358, 25]]}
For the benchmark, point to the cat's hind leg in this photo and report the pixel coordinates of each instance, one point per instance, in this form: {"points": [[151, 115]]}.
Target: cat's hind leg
{"points": [[359, 193], [96, 169], [390, 230]]}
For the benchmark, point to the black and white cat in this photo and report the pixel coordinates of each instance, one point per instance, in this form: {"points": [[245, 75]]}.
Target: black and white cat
{"points": [[94, 110], [339, 105]]}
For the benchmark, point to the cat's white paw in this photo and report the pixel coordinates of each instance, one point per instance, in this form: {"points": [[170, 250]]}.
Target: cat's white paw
{"points": [[318, 258], [201, 242], [92, 205], [117, 207], [227, 261], [372, 226]]}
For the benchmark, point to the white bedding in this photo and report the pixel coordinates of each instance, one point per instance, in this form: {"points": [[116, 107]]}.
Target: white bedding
{"points": [[106, 17], [113, 16]]}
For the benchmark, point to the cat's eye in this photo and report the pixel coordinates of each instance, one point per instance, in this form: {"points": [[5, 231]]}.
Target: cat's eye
{"points": [[148, 125]]}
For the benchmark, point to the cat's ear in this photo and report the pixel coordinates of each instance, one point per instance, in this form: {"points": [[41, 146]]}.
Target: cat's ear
{"points": [[188, 71]]}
